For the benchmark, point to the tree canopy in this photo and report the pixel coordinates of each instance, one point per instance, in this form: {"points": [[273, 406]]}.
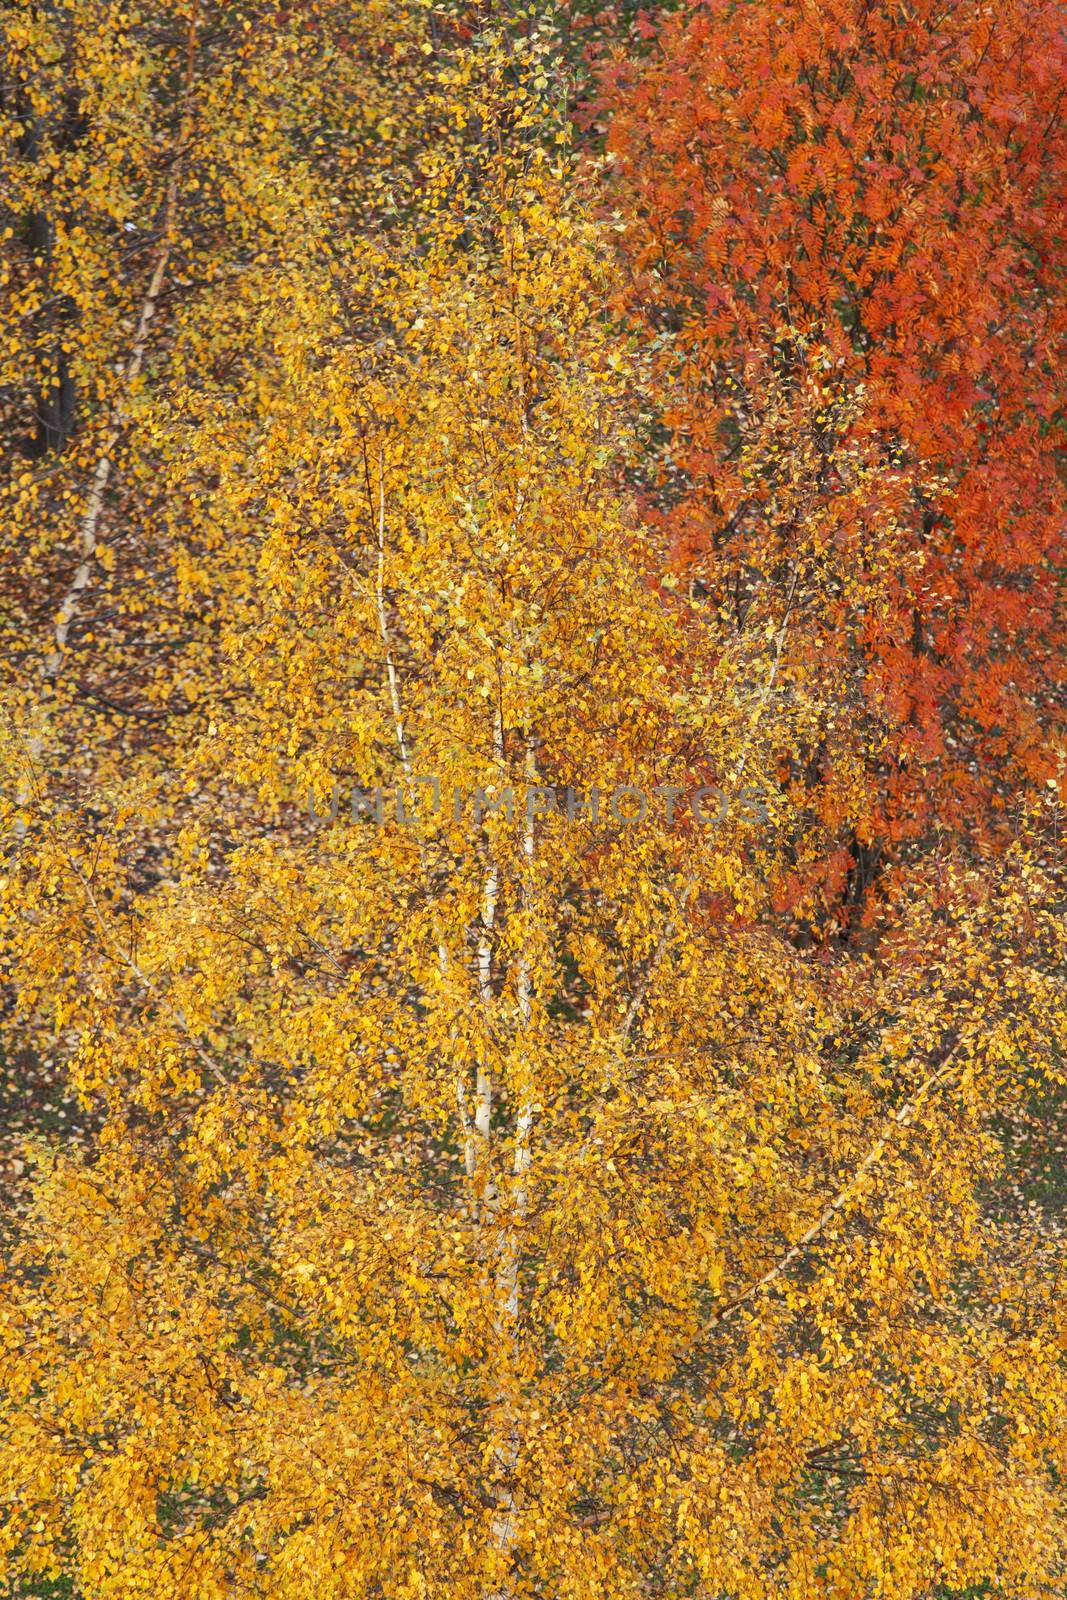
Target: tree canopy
{"points": [[483, 1176]]}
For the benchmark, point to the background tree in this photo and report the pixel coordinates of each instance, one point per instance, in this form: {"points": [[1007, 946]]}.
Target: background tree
{"points": [[887, 185]]}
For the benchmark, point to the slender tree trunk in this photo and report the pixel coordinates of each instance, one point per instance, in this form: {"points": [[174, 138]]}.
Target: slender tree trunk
{"points": [[483, 1114], [506, 1520], [53, 663], [102, 475]]}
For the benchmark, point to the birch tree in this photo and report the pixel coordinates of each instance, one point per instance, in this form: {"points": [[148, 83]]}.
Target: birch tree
{"points": [[483, 1200]]}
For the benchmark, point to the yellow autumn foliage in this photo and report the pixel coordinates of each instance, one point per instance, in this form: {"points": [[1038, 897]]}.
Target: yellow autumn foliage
{"points": [[480, 1195]]}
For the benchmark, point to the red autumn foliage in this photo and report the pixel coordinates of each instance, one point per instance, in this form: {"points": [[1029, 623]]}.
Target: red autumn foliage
{"points": [[888, 180]]}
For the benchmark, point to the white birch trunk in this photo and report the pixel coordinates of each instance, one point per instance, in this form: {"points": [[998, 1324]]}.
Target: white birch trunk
{"points": [[506, 1519], [90, 522], [483, 1113]]}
